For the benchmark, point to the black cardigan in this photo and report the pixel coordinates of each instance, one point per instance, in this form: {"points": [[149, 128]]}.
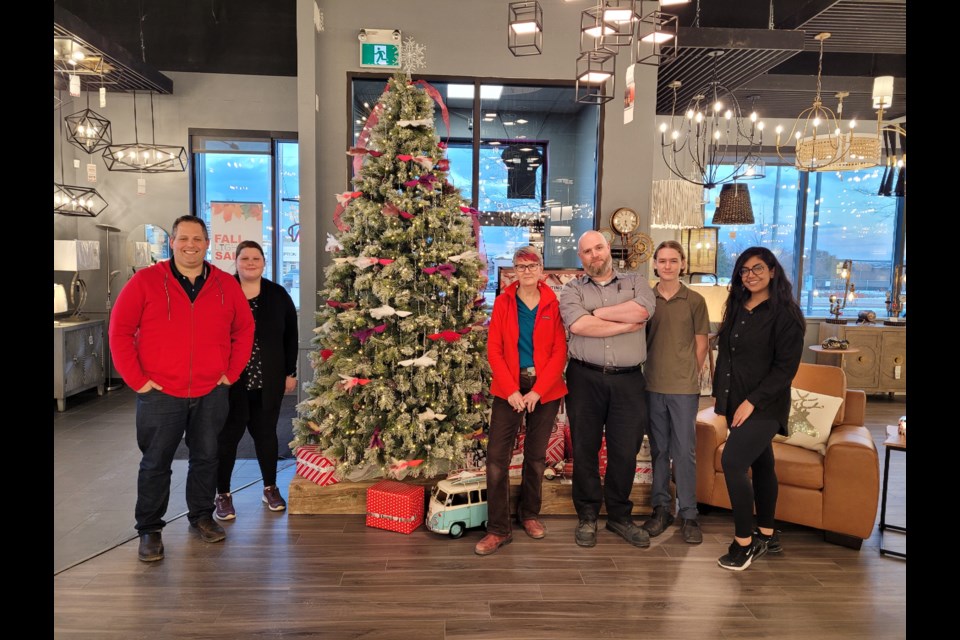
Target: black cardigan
{"points": [[276, 331], [757, 358]]}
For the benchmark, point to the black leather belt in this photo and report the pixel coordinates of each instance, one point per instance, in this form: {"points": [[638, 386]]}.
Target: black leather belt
{"points": [[606, 369]]}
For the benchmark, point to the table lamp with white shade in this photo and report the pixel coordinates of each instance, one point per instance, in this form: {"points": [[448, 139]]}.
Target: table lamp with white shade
{"points": [[76, 256]]}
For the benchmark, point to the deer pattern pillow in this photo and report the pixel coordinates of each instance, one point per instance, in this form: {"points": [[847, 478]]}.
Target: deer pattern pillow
{"points": [[811, 417]]}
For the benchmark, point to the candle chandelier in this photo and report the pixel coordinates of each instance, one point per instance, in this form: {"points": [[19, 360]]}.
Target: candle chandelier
{"points": [[821, 143], [709, 142]]}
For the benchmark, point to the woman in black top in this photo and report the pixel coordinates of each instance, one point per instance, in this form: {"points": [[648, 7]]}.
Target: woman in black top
{"points": [[759, 350], [271, 372]]}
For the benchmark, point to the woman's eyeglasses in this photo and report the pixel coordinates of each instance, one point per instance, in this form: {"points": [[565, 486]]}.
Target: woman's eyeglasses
{"points": [[757, 270], [520, 268]]}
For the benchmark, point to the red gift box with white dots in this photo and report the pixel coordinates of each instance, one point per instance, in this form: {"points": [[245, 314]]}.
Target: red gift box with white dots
{"points": [[395, 506], [314, 466]]}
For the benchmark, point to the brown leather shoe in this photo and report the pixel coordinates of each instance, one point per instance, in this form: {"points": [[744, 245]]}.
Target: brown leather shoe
{"points": [[534, 528], [490, 543], [151, 547]]}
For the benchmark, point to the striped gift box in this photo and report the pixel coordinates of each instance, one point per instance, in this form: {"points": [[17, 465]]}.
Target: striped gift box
{"points": [[644, 473], [555, 445], [395, 506], [314, 466]]}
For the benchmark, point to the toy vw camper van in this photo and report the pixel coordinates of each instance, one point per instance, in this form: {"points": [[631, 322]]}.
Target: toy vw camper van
{"points": [[457, 504]]}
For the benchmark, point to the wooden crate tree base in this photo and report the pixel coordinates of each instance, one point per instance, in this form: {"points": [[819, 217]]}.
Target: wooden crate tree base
{"points": [[306, 498]]}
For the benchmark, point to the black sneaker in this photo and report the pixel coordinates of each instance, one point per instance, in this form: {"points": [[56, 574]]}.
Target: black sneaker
{"points": [[586, 533], [629, 531], [739, 557], [772, 542], [658, 522]]}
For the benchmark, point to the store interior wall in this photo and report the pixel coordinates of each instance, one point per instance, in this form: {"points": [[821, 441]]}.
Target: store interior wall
{"points": [[200, 100], [464, 39]]}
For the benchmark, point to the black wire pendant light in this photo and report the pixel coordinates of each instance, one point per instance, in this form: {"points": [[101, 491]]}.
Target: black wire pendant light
{"points": [[140, 157], [73, 200], [708, 142], [88, 130]]}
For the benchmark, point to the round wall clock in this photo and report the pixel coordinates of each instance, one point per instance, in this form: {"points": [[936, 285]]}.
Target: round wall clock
{"points": [[624, 221], [607, 235]]}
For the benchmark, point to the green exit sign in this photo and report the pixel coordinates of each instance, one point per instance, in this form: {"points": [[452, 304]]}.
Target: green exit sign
{"points": [[380, 48]]}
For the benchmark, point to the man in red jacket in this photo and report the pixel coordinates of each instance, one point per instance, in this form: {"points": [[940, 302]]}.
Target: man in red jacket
{"points": [[180, 334]]}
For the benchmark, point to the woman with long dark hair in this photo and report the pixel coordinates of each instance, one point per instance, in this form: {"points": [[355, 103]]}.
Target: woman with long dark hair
{"points": [[759, 349], [271, 372]]}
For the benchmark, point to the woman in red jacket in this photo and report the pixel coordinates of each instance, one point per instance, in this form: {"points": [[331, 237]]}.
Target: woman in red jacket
{"points": [[527, 350]]}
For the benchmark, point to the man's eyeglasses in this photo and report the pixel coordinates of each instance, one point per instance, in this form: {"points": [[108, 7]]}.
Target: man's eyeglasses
{"points": [[757, 269], [526, 267]]}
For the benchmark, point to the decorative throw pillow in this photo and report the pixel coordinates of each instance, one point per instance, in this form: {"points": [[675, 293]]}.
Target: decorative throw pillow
{"points": [[811, 417]]}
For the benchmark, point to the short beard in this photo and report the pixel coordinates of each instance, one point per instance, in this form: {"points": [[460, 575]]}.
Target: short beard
{"points": [[603, 269]]}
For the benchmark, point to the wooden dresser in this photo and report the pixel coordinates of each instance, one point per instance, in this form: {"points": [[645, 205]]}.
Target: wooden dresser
{"points": [[881, 364]]}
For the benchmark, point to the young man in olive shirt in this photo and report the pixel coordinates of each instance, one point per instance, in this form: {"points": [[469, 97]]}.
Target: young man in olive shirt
{"points": [[676, 349]]}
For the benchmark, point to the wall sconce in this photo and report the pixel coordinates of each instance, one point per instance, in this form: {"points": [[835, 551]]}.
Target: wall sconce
{"points": [[839, 303], [76, 256], [525, 28]]}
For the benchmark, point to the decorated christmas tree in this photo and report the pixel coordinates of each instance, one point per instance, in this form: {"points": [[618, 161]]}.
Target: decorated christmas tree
{"points": [[400, 370]]}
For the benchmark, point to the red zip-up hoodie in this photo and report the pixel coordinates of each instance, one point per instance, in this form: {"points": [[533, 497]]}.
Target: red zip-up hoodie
{"points": [[549, 345], [157, 334]]}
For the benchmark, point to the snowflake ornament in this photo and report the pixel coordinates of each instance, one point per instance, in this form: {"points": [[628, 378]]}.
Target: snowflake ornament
{"points": [[413, 56]]}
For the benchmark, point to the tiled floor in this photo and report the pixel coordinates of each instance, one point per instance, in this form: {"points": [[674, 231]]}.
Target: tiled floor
{"points": [[95, 476]]}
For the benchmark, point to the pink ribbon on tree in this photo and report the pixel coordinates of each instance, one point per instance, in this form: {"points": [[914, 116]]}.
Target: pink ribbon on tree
{"points": [[375, 440], [446, 270]]}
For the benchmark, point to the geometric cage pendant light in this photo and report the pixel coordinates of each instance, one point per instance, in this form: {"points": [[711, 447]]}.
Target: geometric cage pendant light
{"points": [[75, 200], [88, 130], [141, 157]]}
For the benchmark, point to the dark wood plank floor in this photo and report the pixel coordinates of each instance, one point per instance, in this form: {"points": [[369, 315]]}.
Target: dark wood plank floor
{"points": [[332, 577]]}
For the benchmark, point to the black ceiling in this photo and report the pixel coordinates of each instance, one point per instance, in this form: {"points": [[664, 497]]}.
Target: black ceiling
{"points": [[259, 37]]}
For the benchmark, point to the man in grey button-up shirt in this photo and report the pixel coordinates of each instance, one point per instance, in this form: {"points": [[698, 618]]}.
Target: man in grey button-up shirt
{"points": [[605, 313]]}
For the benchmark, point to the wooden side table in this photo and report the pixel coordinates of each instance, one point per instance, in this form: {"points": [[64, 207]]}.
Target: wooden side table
{"points": [[892, 443], [836, 352]]}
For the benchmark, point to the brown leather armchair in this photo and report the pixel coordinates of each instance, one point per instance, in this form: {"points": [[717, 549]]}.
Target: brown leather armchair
{"points": [[836, 492]]}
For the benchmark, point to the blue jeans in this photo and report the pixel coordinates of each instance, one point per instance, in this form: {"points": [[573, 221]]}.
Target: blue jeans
{"points": [[161, 422], [673, 418]]}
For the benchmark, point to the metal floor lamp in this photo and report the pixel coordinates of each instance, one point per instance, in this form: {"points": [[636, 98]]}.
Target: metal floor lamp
{"points": [[109, 384]]}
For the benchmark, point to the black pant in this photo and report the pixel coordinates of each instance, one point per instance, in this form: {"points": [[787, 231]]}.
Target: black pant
{"points": [[749, 446], [504, 425], [615, 404], [162, 421], [247, 412]]}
